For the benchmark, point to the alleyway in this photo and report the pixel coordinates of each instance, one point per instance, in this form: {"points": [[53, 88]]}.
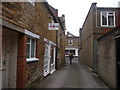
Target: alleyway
{"points": [[72, 76]]}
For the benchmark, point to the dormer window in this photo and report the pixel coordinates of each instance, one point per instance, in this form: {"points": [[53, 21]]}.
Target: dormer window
{"points": [[70, 42], [108, 19]]}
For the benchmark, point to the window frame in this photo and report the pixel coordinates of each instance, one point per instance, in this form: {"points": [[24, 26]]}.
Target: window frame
{"points": [[69, 42], [30, 59], [107, 25], [69, 51]]}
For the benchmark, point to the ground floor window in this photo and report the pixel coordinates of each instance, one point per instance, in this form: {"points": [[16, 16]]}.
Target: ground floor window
{"points": [[31, 49], [69, 51]]}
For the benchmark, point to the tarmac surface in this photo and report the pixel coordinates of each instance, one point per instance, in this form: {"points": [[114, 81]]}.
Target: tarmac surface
{"points": [[73, 75]]}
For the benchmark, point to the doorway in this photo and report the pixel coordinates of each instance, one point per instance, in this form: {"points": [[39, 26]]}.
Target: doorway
{"points": [[9, 65], [118, 61], [52, 59], [47, 59]]}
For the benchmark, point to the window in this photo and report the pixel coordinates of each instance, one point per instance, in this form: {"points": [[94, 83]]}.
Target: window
{"points": [[72, 51], [108, 19], [31, 49], [70, 42], [69, 51], [66, 52], [32, 2]]}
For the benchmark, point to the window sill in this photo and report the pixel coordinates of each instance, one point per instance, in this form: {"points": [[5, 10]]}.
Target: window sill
{"points": [[107, 26], [32, 59]]}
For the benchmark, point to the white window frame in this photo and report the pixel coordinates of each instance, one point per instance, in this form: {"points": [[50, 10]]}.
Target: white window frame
{"points": [[69, 42], [32, 58], [32, 2], [107, 18]]}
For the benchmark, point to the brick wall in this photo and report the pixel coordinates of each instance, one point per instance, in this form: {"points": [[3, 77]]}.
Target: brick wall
{"points": [[87, 39], [92, 30], [35, 19], [21, 61], [61, 48]]}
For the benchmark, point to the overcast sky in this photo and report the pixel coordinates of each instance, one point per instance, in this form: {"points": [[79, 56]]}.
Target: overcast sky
{"points": [[76, 11]]}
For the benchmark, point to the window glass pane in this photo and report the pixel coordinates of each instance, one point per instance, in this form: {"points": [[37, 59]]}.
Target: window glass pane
{"points": [[111, 13], [104, 18], [28, 40], [66, 52], [70, 41], [32, 48], [28, 50], [72, 51], [52, 55], [110, 20]]}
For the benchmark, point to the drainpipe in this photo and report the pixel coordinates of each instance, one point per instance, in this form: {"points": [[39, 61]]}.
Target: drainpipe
{"points": [[56, 49]]}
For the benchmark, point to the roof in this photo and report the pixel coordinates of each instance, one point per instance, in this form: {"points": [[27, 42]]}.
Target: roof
{"points": [[52, 11], [93, 6], [70, 35]]}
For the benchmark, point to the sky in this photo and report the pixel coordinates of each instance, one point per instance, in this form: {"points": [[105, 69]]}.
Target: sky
{"points": [[76, 11]]}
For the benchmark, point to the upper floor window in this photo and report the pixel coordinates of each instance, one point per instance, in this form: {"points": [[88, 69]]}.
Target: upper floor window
{"points": [[108, 19], [32, 2], [70, 42]]}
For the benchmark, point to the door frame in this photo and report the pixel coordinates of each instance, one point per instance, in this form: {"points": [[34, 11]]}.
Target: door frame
{"points": [[50, 43], [52, 65]]}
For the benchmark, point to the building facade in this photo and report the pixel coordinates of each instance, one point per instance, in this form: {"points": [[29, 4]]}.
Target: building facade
{"points": [[61, 42], [72, 44], [28, 52], [100, 20], [108, 57]]}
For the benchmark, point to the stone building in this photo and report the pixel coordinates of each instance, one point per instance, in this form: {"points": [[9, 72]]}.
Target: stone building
{"points": [[99, 20], [72, 44], [109, 58], [27, 48]]}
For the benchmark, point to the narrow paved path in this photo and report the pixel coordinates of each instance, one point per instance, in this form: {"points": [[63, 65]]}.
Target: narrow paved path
{"points": [[72, 76]]}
